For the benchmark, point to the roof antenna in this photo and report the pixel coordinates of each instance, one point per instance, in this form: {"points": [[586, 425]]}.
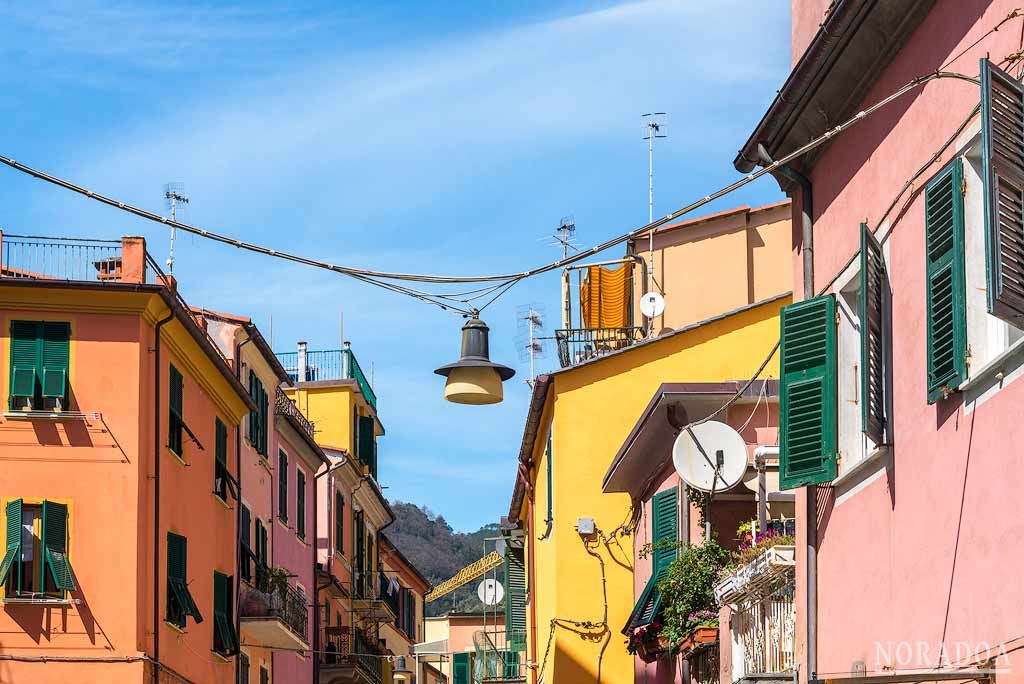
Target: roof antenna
{"points": [[174, 193]]}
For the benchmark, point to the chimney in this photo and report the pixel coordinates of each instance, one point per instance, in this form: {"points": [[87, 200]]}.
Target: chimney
{"points": [[300, 375], [346, 359], [133, 259]]}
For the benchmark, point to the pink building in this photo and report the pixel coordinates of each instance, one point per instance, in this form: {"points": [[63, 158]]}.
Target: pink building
{"points": [[277, 519], [899, 377]]}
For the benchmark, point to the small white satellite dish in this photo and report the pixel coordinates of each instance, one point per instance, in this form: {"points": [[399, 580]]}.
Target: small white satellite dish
{"points": [[490, 592], [710, 456], [652, 304], [499, 547]]}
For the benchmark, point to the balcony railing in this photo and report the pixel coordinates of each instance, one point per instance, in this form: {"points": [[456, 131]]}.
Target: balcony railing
{"points": [[289, 605], [58, 258], [342, 649], [583, 344], [328, 364], [283, 406], [497, 657]]}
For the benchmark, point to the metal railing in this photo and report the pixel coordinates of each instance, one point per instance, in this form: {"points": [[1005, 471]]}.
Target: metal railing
{"points": [[57, 258], [577, 345], [328, 364], [497, 658], [283, 406], [289, 604], [341, 648]]}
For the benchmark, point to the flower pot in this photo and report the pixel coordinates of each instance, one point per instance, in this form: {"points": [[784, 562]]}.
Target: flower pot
{"points": [[648, 651], [705, 635]]}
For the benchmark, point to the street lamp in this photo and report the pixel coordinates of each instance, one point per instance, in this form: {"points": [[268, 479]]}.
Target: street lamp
{"points": [[474, 378]]}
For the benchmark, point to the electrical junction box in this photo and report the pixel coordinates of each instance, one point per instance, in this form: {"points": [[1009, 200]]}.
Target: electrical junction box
{"points": [[585, 526]]}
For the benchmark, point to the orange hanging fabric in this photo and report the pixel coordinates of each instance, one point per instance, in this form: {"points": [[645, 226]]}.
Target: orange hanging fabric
{"points": [[604, 297]]}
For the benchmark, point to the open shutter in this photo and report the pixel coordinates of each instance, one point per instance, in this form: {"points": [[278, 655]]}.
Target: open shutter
{"points": [[365, 447], [25, 359], [300, 503], [339, 523], [224, 641], [1002, 126], [245, 541], [664, 528], [12, 550], [175, 417], [515, 598], [460, 668], [177, 584], [808, 453], [944, 259], [253, 415], [873, 337], [264, 420], [56, 358], [55, 543]]}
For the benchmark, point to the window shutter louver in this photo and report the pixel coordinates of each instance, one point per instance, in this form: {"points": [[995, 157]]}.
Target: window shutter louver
{"points": [[300, 503], [54, 535], [874, 336], [515, 598], [12, 552], [55, 358], [177, 583], [944, 259], [366, 443], [25, 359], [282, 486], [808, 393], [460, 668], [1002, 126], [339, 522], [244, 538], [175, 418], [224, 641], [664, 528]]}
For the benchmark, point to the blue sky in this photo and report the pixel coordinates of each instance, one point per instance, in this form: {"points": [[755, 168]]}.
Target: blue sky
{"points": [[444, 138]]}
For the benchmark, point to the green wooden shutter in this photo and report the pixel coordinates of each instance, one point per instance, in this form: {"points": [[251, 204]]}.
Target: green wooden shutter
{"points": [[808, 453], [365, 448], [300, 503], [175, 417], [944, 259], [339, 522], [264, 561], [515, 598], [460, 668], [245, 540], [253, 415], [224, 639], [1002, 130], [26, 355], [177, 583], [55, 543], [873, 336], [664, 528], [56, 359], [282, 486], [12, 551]]}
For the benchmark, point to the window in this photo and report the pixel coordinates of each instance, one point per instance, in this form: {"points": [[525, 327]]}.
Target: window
{"points": [[245, 540], [176, 425], [664, 528], [260, 555], [179, 599], [367, 445], [259, 420], [460, 668], [282, 486], [339, 523], [264, 675], [35, 561], [808, 392], [243, 668], [225, 641], [40, 356], [300, 504], [223, 482]]}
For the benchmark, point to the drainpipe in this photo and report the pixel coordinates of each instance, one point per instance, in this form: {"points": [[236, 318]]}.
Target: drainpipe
{"points": [[530, 560], [807, 221], [157, 453], [238, 508]]}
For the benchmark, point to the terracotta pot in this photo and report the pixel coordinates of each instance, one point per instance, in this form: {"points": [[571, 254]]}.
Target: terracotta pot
{"points": [[698, 637], [648, 651]]}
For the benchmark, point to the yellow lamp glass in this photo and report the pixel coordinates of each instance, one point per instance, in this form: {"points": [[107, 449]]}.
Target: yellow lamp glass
{"points": [[475, 385]]}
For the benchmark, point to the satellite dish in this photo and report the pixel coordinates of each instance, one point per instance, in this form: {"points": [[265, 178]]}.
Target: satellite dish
{"points": [[710, 456], [499, 547], [490, 592], [652, 304]]}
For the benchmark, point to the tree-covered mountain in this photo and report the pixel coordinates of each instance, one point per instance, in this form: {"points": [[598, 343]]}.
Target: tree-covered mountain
{"points": [[438, 552]]}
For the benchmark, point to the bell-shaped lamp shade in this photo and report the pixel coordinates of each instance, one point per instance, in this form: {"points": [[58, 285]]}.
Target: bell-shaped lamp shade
{"points": [[474, 379]]}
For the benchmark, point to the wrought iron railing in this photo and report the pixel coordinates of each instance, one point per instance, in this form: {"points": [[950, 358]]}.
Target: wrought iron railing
{"points": [[577, 345], [341, 648], [58, 258], [328, 364], [289, 604], [496, 657], [284, 406]]}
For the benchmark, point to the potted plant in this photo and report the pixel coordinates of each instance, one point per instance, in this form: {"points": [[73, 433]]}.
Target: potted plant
{"points": [[688, 595], [648, 642]]}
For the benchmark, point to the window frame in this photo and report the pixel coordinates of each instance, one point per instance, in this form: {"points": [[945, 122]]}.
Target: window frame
{"points": [[51, 541], [282, 486], [43, 363], [300, 503]]}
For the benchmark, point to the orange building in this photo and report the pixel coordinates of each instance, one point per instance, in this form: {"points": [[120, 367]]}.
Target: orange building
{"points": [[119, 430]]}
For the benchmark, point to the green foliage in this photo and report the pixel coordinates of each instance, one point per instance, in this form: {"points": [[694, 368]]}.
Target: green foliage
{"points": [[687, 590]]}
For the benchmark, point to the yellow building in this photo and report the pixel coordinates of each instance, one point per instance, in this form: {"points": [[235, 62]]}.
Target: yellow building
{"points": [[578, 418]]}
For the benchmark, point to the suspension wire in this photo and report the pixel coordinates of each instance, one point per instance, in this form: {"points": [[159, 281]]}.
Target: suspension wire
{"points": [[375, 277]]}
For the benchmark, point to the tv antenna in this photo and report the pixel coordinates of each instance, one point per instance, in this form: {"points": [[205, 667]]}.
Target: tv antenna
{"points": [[530, 339], [565, 235], [654, 127], [174, 194]]}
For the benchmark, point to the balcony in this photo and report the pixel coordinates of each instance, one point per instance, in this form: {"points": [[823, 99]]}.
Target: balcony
{"points": [[498, 658], [277, 618], [330, 364], [348, 657], [283, 406], [585, 344]]}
